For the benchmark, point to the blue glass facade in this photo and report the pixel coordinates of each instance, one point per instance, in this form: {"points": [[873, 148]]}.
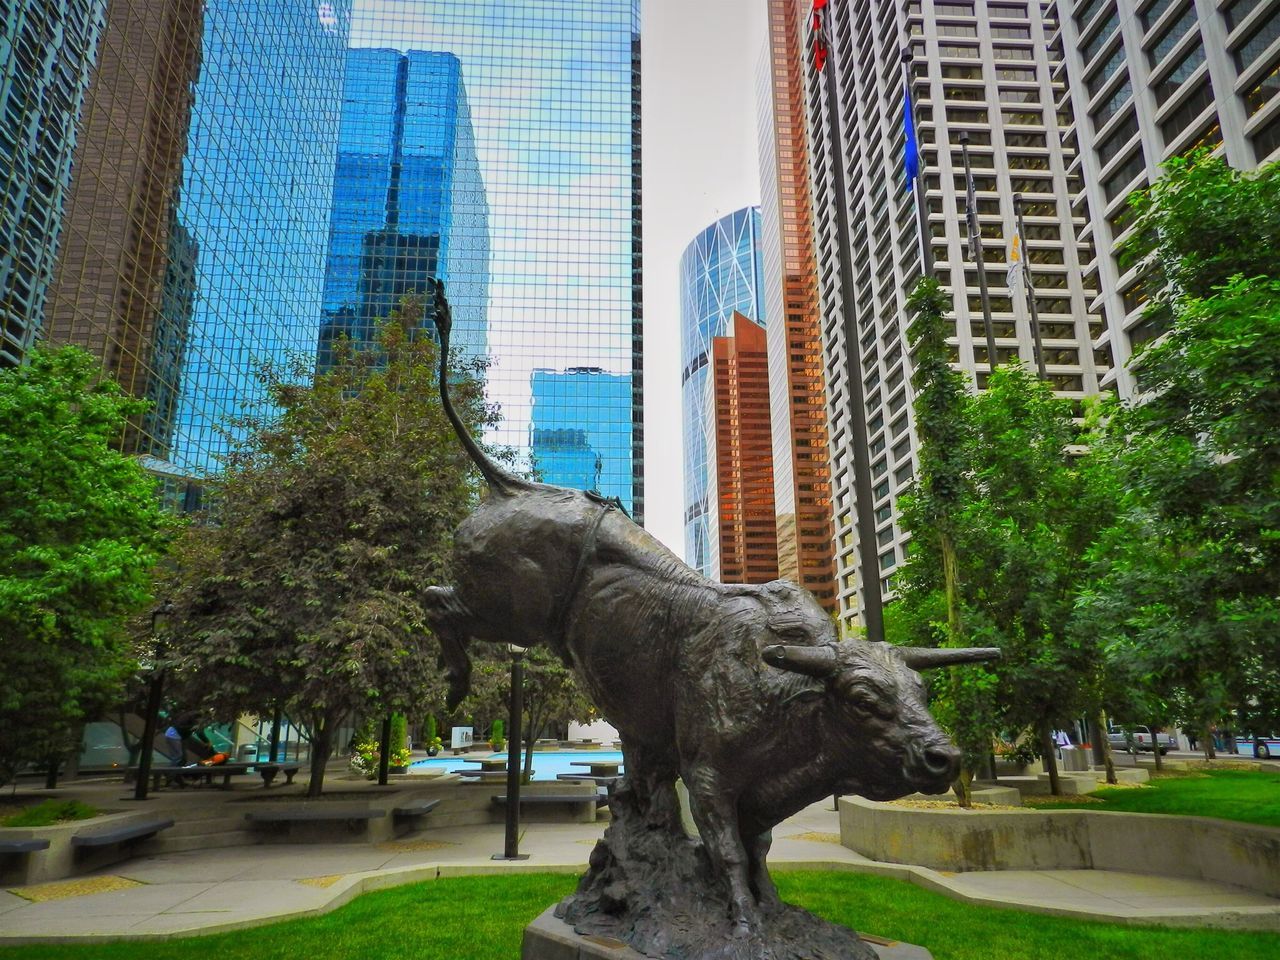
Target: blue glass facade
{"points": [[720, 272], [553, 93], [46, 53], [409, 202], [256, 196], [581, 430]]}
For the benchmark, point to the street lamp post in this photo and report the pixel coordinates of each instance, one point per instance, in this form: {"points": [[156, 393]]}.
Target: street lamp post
{"points": [[511, 848], [159, 616]]}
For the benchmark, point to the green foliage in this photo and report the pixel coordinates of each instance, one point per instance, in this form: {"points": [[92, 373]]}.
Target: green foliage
{"points": [[49, 812], [496, 735], [332, 517], [1186, 587], [81, 527], [483, 918]]}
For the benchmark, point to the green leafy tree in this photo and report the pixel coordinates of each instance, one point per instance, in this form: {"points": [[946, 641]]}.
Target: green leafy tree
{"points": [[81, 528], [332, 515], [1190, 587]]}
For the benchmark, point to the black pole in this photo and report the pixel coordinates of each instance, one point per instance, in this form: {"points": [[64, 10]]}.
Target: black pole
{"points": [[149, 734], [384, 751], [51, 774], [1037, 346], [511, 847], [917, 182], [275, 737], [975, 249], [868, 556]]}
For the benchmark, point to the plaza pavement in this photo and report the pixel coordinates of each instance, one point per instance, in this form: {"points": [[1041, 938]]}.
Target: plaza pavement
{"points": [[218, 889]]}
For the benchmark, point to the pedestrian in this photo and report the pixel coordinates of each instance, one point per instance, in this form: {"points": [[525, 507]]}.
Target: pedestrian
{"points": [[1191, 741]]}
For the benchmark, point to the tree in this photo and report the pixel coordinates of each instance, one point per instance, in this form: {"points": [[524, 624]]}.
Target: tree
{"points": [[331, 517], [81, 527], [1191, 585], [552, 695]]}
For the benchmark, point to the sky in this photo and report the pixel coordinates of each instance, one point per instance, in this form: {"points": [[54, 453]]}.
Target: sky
{"points": [[700, 161]]}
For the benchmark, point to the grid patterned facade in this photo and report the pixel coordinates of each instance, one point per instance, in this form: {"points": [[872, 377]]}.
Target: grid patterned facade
{"points": [[720, 274], [46, 54], [1149, 81], [124, 288], [801, 455], [980, 66], [742, 480], [408, 201], [553, 94], [592, 453]]}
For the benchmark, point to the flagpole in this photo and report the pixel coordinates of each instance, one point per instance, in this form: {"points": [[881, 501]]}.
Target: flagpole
{"points": [[917, 182], [975, 248], [1037, 346], [864, 516]]}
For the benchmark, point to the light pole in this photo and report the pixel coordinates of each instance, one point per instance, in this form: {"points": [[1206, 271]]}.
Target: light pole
{"points": [[159, 617], [511, 848]]}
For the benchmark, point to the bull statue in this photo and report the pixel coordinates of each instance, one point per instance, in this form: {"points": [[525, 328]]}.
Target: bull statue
{"points": [[743, 692]]}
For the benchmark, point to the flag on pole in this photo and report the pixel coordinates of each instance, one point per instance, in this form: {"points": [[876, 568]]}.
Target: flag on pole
{"points": [[819, 36], [912, 147], [1013, 272]]}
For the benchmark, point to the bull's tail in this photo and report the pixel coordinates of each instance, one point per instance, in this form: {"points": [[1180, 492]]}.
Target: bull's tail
{"points": [[500, 481]]}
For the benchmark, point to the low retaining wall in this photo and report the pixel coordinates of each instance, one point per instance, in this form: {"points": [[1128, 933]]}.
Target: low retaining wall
{"points": [[61, 859], [1197, 847]]}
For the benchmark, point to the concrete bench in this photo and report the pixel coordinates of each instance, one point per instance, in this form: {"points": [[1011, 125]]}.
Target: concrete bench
{"points": [[270, 771], [355, 820], [588, 778], [23, 846], [133, 831], [540, 798], [411, 812]]}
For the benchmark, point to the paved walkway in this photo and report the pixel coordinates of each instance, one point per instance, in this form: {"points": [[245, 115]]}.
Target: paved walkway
{"points": [[225, 888]]}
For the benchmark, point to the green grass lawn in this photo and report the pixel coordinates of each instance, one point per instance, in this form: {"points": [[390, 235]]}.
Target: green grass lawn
{"points": [[1248, 796], [481, 918], [49, 812]]}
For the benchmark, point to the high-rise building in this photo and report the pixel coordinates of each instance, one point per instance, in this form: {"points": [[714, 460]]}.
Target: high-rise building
{"points": [[801, 454], [124, 287], [553, 91], [741, 478], [982, 67], [589, 452], [47, 50], [1177, 75], [720, 274], [409, 204]]}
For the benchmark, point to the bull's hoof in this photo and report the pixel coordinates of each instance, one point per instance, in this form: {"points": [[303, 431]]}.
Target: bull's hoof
{"points": [[459, 687], [742, 930]]}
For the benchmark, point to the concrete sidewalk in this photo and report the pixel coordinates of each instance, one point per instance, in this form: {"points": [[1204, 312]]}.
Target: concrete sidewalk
{"points": [[204, 891]]}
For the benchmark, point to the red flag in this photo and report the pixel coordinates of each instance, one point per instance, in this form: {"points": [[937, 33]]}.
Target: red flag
{"points": [[819, 37]]}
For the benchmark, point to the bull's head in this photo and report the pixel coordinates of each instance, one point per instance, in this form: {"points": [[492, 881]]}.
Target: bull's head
{"points": [[878, 726]]}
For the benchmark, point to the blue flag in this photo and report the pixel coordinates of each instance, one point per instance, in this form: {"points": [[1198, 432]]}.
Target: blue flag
{"points": [[911, 147]]}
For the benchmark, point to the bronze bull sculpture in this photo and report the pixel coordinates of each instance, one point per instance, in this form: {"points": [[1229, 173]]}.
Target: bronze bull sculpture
{"points": [[743, 692]]}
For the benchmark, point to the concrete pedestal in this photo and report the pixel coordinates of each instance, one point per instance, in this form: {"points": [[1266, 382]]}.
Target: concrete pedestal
{"points": [[550, 938]]}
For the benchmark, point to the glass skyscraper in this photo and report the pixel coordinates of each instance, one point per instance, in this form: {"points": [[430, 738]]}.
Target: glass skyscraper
{"points": [[720, 274], [256, 195], [591, 451], [409, 203], [46, 54], [553, 93]]}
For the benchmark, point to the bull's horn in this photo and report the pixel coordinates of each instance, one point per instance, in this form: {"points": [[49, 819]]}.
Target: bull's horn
{"points": [[927, 658], [811, 661]]}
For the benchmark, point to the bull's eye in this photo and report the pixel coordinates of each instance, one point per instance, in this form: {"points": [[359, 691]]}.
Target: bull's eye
{"points": [[862, 695]]}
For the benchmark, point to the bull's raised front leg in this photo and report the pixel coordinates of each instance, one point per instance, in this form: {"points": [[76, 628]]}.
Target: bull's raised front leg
{"points": [[715, 814], [450, 622]]}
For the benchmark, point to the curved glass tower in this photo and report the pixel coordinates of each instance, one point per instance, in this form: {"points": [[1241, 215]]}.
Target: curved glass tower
{"points": [[720, 273]]}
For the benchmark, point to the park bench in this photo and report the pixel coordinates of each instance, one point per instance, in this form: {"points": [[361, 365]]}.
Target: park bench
{"points": [[270, 771], [601, 781], [129, 832], [19, 847], [544, 798], [355, 820], [413, 811]]}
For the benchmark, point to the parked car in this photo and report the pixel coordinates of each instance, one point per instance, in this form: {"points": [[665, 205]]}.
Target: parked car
{"points": [[1139, 740], [1261, 746]]}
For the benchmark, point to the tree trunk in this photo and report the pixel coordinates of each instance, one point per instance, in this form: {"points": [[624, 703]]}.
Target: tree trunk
{"points": [[321, 748], [1049, 751], [1104, 742], [1207, 740], [1155, 746], [530, 732], [963, 788]]}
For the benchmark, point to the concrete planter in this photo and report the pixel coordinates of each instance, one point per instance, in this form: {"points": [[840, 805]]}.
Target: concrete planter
{"points": [[1200, 848], [61, 859]]}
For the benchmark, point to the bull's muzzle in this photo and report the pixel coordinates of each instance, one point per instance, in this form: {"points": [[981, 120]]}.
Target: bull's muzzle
{"points": [[933, 765]]}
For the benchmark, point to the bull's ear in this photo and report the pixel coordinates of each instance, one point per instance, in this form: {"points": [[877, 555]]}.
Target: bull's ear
{"points": [[927, 658], [811, 661]]}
